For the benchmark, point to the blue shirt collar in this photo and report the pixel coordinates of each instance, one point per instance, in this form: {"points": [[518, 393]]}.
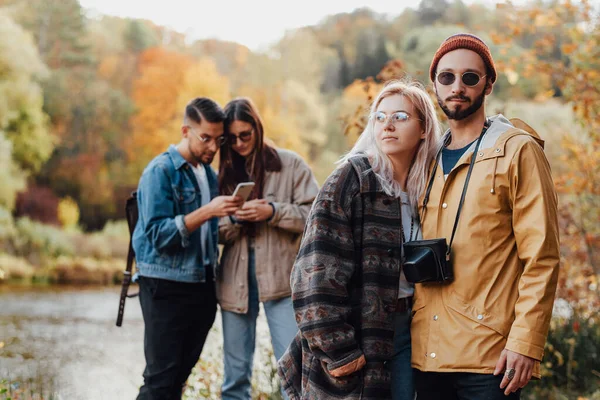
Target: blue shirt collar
{"points": [[176, 157]]}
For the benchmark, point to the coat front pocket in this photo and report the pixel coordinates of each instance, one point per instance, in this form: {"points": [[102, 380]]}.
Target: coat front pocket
{"points": [[480, 316], [321, 385]]}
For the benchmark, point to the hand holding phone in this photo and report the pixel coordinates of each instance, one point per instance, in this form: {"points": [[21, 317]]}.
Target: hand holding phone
{"points": [[256, 210], [222, 206], [243, 190]]}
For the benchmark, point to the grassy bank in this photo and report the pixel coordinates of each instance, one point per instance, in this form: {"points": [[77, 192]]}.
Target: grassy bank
{"points": [[31, 252], [31, 389]]}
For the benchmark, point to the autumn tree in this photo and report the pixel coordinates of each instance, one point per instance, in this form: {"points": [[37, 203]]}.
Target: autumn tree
{"points": [[161, 76], [565, 47], [25, 140]]}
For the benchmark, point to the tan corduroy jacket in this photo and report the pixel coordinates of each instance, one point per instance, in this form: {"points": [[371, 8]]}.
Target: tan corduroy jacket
{"points": [[292, 192], [505, 257]]}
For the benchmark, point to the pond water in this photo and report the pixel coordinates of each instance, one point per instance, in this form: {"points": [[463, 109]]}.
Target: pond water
{"points": [[65, 341]]}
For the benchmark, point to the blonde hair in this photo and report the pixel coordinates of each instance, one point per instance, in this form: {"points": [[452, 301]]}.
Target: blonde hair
{"points": [[381, 164]]}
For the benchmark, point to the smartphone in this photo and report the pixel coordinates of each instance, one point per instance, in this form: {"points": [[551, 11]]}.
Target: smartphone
{"points": [[243, 190]]}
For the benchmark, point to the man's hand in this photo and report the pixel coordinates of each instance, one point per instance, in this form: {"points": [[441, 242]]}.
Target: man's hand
{"points": [[521, 365], [255, 211], [223, 206]]}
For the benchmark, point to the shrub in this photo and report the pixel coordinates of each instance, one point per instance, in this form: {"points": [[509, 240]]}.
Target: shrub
{"points": [[15, 268], [12, 179], [68, 213], [37, 241], [86, 271], [111, 242], [116, 229], [91, 246], [116, 234], [7, 231], [571, 364], [38, 203]]}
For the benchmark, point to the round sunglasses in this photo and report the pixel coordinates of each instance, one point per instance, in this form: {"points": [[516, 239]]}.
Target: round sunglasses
{"points": [[243, 136], [468, 78]]}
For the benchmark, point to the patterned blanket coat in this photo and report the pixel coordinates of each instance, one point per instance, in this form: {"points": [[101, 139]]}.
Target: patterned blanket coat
{"points": [[344, 288]]}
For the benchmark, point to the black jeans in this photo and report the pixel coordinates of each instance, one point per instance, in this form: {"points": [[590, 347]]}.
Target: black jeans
{"points": [[177, 319], [460, 386]]}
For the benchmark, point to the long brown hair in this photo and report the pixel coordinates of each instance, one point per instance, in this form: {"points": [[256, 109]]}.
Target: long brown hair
{"points": [[233, 168]]}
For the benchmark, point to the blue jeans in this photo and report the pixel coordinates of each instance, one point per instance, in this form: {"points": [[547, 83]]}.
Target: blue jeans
{"points": [[402, 375], [239, 337]]}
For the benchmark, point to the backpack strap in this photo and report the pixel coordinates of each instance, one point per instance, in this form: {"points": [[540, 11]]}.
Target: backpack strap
{"points": [[131, 213]]}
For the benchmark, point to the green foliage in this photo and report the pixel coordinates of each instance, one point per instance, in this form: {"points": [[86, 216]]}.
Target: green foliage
{"points": [[7, 228], [19, 57], [419, 46], [371, 55], [37, 242], [29, 249], [21, 116], [304, 60], [95, 122], [59, 29], [12, 179], [431, 11], [572, 358], [29, 389], [139, 37], [32, 142], [116, 230]]}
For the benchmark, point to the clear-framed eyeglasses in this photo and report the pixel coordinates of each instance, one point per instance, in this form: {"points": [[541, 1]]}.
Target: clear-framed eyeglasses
{"points": [[397, 118], [207, 139]]}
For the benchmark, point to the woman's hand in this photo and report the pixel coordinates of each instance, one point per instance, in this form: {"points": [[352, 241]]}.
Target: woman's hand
{"points": [[255, 211], [349, 368]]}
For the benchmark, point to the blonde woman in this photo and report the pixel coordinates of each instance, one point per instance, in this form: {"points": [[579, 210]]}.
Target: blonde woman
{"points": [[351, 300]]}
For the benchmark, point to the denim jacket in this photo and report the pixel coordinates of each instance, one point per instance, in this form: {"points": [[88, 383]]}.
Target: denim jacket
{"points": [[168, 190]]}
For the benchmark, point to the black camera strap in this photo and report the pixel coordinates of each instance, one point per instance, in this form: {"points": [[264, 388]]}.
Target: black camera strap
{"points": [[464, 191]]}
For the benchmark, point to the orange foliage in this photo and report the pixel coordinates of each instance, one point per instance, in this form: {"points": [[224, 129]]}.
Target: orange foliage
{"points": [[108, 66], [575, 33], [161, 75], [359, 95]]}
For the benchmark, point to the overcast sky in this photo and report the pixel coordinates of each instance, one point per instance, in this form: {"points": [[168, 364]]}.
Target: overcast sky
{"points": [[254, 23]]}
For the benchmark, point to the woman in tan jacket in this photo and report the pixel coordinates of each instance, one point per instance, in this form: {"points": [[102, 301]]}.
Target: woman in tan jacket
{"points": [[261, 242]]}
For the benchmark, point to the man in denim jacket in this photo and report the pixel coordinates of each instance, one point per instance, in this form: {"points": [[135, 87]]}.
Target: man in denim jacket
{"points": [[175, 243]]}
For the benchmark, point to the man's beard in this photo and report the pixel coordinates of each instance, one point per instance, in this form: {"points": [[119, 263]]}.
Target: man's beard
{"points": [[207, 158], [202, 158], [458, 114]]}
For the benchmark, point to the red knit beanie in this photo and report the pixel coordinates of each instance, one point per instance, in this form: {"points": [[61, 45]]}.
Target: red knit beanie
{"points": [[469, 42]]}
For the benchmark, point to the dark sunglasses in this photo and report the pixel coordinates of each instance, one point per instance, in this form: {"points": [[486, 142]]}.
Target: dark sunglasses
{"points": [[468, 78], [244, 137]]}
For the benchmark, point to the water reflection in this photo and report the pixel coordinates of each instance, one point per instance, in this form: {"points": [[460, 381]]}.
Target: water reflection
{"points": [[66, 341]]}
